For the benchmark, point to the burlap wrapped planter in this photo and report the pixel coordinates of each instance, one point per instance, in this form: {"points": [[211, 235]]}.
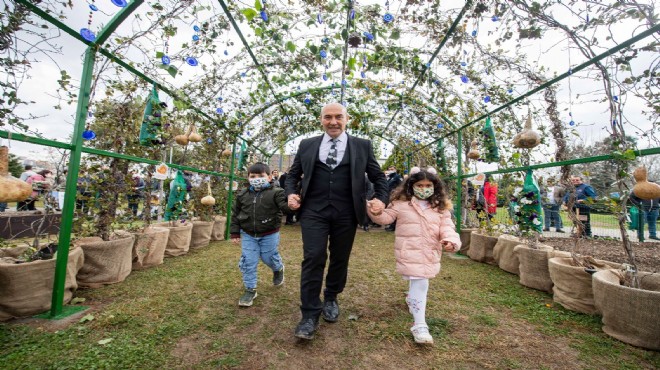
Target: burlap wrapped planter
{"points": [[26, 289], [466, 237], [106, 262], [219, 227], [481, 248], [149, 247], [533, 266], [201, 234], [572, 285], [503, 253], [629, 315], [178, 243]]}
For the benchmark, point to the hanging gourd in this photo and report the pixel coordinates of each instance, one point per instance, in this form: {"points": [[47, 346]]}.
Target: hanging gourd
{"points": [[11, 188], [644, 189], [176, 198], [474, 151], [181, 139], [226, 152], [491, 153], [527, 138], [208, 200], [193, 136], [151, 128]]}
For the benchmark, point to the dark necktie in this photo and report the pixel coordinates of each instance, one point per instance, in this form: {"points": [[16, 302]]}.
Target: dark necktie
{"points": [[331, 160]]}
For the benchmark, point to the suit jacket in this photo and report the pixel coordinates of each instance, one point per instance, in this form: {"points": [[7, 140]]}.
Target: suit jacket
{"points": [[362, 160]]}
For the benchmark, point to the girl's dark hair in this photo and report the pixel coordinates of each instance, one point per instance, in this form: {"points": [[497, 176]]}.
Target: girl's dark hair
{"points": [[44, 172], [438, 200], [259, 168]]}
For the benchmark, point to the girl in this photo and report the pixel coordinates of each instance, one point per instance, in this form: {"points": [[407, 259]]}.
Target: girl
{"points": [[423, 228]]}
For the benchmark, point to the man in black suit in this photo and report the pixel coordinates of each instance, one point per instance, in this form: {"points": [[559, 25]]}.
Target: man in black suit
{"points": [[332, 199]]}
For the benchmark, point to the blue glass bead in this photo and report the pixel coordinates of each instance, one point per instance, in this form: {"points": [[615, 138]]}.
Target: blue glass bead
{"points": [[572, 123], [307, 101], [319, 18], [416, 141], [440, 125], [387, 18], [615, 98], [219, 111], [323, 54], [196, 28], [165, 60], [325, 77], [87, 34], [93, 7], [495, 18], [363, 75], [369, 36], [209, 141], [352, 14], [463, 64], [88, 135], [474, 33], [486, 99], [226, 52], [510, 91], [120, 3], [195, 38], [192, 61], [343, 82], [242, 74], [264, 15], [465, 79]]}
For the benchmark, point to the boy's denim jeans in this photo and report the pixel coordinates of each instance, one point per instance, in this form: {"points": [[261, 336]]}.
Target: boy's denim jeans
{"points": [[254, 248]]}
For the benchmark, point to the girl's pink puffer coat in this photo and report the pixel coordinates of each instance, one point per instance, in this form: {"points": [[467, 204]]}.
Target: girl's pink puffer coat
{"points": [[418, 234]]}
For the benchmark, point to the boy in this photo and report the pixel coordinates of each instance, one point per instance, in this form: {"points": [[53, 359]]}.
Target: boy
{"points": [[255, 222]]}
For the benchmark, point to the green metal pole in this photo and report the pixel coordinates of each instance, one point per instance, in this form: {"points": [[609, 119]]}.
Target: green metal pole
{"points": [[72, 184], [459, 181], [230, 198]]}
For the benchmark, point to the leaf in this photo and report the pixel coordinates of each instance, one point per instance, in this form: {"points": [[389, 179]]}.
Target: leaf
{"points": [[257, 5], [159, 54], [78, 300], [351, 63], [249, 13], [104, 341], [353, 317], [172, 70], [395, 34], [290, 46], [87, 318]]}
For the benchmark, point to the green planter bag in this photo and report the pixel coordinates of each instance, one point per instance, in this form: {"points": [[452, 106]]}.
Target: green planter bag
{"points": [[151, 128], [176, 198], [491, 153], [528, 211]]}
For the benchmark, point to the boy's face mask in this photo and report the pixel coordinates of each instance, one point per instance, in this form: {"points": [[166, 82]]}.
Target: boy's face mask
{"points": [[422, 193], [259, 183]]}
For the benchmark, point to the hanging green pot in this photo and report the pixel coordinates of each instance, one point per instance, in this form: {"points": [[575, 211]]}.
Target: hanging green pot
{"points": [[151, 129], [177, 198], [491, 153]]}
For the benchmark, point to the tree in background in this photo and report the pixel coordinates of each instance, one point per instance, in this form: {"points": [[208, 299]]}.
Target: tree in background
{"points": [[15, 167]]}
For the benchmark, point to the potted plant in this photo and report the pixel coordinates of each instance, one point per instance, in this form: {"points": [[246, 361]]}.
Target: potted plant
{"points": [[203, 202], [482, 242]]}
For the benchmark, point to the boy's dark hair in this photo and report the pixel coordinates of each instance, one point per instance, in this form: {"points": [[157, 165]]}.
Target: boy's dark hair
{"points": [[28, 167], [259, 168], [439, 198]]}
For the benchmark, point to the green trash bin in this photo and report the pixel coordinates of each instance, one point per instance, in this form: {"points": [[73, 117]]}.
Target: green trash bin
{"points": [[634, 218]]}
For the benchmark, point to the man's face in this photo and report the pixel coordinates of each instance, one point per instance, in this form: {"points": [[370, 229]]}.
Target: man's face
{"points": [[275, 173], [392, 170], [576, 181], [333, 119]]}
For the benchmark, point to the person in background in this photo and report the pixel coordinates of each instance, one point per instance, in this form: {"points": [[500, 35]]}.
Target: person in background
{"points": [[393, 181], [41, 183], [551, 206], [275, 174], [84, 192], [650, 209], [3, 206], [582, 196], [255, 223], [490, 194], [21, 206], [135, 193], [425, 229]]}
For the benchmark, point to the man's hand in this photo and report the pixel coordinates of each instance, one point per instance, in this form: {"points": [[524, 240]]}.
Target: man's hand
{"points": [[375, 206], [236, 240], [448, 246], [293, 202]]}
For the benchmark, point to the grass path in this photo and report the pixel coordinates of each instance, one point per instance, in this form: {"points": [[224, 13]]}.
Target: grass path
{"points": [[184, 314]]}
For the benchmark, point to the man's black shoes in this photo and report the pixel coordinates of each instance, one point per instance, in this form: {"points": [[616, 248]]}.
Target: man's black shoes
{"points": [[330, 311], [306, 328]]}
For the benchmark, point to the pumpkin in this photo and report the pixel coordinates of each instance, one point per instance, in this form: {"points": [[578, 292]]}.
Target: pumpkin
{"points": [[644, 189], [11, 188], [527, 138], [193, 136], [474, 152], [181, 139], [208, 200]]}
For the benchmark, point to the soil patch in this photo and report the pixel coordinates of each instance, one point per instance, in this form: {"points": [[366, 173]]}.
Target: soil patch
{"points": [[647, 255]]}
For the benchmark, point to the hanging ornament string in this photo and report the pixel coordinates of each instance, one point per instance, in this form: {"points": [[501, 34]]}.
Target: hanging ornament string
{"points": [[87, 33], [570, 90], [165, 59]]}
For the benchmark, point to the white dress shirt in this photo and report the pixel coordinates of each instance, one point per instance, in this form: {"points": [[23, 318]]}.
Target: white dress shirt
{"points": [[326, 143]]}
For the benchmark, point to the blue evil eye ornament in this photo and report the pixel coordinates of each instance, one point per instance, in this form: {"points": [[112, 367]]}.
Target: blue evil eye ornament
{"points": [[307, 100], [196, 28], [510, 90], [324, 77], [319, 18], [219, 111], [615, 98], [226, 52], [486, 99], [369, 36], [363, 74], [474, 33], [209, 141], [440, 125], [195, 38], [219, 98], [88, 135], [243, 74], [165, 60], [192, 61], [495, 18], [323, 54], [264, 15], [343, 82], [87, 34], [416, 141], [120, 3], [465, 79], [93, 7], [463, 64], [352, 14], [572, 123], [387, 18]]}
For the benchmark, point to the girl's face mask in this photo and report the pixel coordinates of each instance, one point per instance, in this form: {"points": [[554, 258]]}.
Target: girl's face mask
{"points": [[259, 183], [422, 193]]}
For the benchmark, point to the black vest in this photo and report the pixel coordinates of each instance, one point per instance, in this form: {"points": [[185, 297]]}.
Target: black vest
{"points": [[330, 187]]}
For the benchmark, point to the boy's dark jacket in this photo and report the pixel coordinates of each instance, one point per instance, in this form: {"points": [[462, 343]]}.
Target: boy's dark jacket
{"points": [[258, 213]]}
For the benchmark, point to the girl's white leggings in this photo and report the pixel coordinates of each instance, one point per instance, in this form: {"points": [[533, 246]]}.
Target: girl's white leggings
{"points": [[416, 299]]}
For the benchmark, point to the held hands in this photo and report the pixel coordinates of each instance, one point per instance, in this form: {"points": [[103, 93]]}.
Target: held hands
{"points": [[375, 206], [293, 201]]}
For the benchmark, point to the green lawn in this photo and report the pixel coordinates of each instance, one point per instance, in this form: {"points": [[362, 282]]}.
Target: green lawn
{"points": [[184, 314]]}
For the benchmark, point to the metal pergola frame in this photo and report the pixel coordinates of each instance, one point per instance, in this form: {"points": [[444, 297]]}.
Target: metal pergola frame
{"points": [[93, 48]]}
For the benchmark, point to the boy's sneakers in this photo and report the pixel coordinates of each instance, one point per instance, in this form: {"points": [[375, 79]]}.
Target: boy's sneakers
{"points": [[421, 334], [247, 298], [278, 277]]}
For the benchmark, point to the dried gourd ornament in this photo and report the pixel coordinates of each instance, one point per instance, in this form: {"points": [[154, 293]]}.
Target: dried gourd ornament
{"points": [[527, 138], [644, 189], [474, 152], [11, 188]]}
